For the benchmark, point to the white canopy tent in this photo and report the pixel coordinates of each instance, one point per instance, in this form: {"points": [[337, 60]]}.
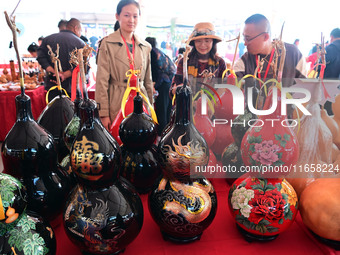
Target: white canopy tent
{"points": [[303, 19]]}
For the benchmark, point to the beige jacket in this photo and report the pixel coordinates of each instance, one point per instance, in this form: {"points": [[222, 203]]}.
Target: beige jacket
{"points": [[112, 64]]}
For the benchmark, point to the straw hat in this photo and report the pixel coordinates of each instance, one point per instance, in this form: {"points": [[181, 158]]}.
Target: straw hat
{"points": [[203, 30]]}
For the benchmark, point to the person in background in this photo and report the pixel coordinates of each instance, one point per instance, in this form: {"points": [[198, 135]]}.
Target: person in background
{"points": [[40, 39], [93, 43], [313, 57], [32, 49], [297, 42], [203, 59], [118, 53], [257, 39], [62, 24], [163, 70], [332, 70], [180, 55], [68, 40]]}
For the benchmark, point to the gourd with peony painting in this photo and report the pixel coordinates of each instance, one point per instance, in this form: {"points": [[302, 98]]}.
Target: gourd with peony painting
{"points": [[262, 208], [270, 143], [266, 145]]}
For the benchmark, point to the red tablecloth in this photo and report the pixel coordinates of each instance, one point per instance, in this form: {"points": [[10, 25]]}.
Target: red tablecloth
{"points": [[8, 110], [221, 237]]}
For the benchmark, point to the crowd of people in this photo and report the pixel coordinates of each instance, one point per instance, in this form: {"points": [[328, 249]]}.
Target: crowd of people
{"points": [[124, 50]]}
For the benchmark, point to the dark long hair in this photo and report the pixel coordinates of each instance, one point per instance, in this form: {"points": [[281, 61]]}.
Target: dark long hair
{"points": [[193, 55], [123, 3]]}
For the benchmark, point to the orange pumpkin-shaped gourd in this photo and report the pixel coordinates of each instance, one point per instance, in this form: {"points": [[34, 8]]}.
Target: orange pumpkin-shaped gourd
{"points": [[320, 206]]}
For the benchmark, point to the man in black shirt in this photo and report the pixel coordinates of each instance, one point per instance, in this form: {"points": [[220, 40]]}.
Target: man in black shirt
{"points": [[68, 40], [257, 39]]}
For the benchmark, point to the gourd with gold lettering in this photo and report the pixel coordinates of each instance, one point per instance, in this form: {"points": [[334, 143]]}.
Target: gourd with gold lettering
{"points": [[21, 232], [103, 213]]}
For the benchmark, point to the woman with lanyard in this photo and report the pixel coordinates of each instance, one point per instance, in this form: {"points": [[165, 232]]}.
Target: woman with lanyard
{"points": [[203, 62], [120, 53]]}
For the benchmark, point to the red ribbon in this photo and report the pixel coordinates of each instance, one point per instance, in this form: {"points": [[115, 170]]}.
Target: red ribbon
{"points": [[322, 71], [270, 61], [130, 56], [74, 83]]}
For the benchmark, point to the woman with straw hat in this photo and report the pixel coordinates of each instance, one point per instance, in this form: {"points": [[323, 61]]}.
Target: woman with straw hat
{"points": [[203, 62]]}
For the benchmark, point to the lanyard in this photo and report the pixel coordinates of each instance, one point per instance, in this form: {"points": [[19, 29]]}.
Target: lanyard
{"points": [[131, 56], [270, 60]]}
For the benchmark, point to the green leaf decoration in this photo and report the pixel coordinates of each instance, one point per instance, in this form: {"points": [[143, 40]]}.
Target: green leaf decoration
{"points": [[269, 187], [261, 228], [277, 137], [6, 191], [28, 247], [252, 147], [17, 238], [257, 129], [286, 137], [74, 126], [285, 197], [263, 182], [243, 184], [34, 245], [258, 139], [257, 187], [252, 161], [278, 163], [272, 229], [280, 155], [26, 223], [281, 221], [278, 186], [245, 222], [46, 250], [283, 143], [264, 222], [289, 215], [3, 230], [251, 139]]}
